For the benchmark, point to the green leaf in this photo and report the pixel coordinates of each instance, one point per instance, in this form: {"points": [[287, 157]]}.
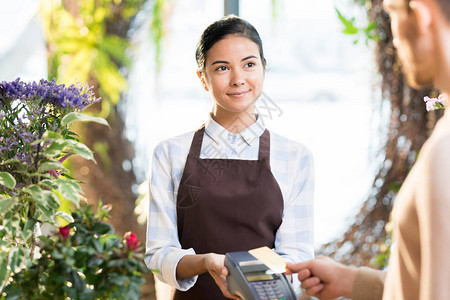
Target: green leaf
{"points": [[370, 27], [69, 189], [3, 269], [110, 241], [28, 229], [94, 261], [13, 292], [65, 216], [52, 165], [349, 25], [44, 239], [97, 245], [76, 116], [102, 228], [79, 148], [47, 201], [77, 281], [344, 21], [118, 279], [34, 191], [55, 148], [14, 259], [7, 180], [51, 199], [350, 30], [49, 184], [10, 161], [51, 135], [5, 204]]}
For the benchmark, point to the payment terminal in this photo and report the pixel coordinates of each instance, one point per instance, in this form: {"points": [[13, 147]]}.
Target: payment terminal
{"points": [[250, 279]]}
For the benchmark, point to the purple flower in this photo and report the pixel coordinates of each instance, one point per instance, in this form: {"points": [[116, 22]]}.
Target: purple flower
{"points": [[10, 91], [74, 97], [27, 110]]}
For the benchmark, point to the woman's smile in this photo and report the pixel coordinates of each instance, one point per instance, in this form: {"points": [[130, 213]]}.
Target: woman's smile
{"points": [[239, 94]]}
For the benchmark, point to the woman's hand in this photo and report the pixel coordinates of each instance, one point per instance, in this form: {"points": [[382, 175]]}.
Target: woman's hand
{"points": [[215, 265]]}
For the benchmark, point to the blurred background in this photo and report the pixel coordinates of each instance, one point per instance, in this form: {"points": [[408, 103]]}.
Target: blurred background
{"points": [[332, 83]]}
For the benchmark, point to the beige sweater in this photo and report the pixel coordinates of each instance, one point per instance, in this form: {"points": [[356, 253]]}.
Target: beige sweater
{"points": [[419, 267]]}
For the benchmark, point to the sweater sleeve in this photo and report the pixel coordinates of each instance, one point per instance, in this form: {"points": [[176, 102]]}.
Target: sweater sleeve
{"points": [[368, 284]]}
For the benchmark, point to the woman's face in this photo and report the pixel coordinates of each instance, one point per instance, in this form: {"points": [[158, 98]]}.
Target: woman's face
{"points": [[234, 75]]}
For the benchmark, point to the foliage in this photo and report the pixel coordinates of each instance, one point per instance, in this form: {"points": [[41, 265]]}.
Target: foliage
{"points": [[275, 6], [35, 138], [157, 30], [91, 263], [365, 32], [82, 44]]}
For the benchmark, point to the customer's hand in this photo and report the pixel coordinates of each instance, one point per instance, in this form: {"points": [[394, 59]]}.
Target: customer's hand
{"points": [[215, 264], [324, 278]]}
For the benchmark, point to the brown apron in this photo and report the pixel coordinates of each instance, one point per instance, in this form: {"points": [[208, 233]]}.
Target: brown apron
{"points": [[226, 205]]}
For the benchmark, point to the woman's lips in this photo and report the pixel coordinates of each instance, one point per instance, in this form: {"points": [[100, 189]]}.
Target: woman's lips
{"points": [[238, 94]]}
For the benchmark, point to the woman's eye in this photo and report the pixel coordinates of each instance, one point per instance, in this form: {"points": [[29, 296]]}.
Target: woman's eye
{"points": [[250, 64], [221, 68]]}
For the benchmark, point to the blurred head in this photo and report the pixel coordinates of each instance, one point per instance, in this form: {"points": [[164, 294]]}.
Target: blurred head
{"points": [[231, 65], [416, 28]]}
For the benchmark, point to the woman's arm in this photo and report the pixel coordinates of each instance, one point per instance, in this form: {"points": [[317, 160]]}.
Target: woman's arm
{"points": [[191, 265]]}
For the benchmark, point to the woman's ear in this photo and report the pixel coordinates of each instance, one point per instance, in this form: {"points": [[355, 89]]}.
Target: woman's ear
{"points": [[202, 79]]}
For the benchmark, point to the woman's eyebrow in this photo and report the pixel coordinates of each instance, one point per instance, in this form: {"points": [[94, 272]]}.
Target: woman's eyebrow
{"points": [[248, 57], [220, 62], [226, 62]]}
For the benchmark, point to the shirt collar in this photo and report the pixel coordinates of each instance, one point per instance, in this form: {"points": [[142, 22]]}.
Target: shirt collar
{"points": [[249, 134]]}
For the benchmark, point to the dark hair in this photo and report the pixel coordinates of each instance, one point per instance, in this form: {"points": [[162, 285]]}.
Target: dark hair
{"points": [[228, 25]]}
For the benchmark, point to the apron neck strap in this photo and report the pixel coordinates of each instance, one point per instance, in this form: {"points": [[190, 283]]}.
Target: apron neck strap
{"points": [[264, 144], [196, 145]]}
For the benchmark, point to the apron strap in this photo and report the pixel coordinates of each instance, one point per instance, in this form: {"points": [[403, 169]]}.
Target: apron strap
{"points": [[264, 145], [196, 145]]}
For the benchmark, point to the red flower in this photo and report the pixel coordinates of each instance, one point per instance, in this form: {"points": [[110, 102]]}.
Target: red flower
{"points": [[132, 241], [64, 232]]}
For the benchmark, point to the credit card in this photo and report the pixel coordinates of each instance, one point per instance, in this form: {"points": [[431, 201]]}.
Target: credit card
{"points": [[270, 258]]}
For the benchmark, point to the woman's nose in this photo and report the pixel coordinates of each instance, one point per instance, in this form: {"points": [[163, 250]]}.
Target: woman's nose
{"points": [[237, 78]]}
